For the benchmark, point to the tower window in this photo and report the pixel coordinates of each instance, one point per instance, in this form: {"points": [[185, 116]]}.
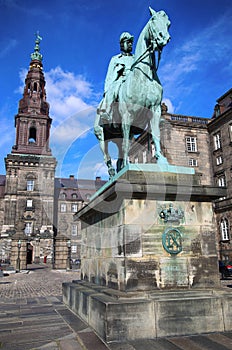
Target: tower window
{"points": [[35, 87], [29, 203], [32, 135], [28, 228], [74, 230]]}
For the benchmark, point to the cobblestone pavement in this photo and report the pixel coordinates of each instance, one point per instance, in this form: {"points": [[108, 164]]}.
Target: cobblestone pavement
{"points": [[33, 317], [38, 280]]}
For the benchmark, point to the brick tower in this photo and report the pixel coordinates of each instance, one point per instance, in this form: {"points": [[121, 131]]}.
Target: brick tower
{"points": [[30, 169]]}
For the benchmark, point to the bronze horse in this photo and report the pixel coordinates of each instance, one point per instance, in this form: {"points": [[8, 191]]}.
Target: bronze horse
{"points": [[139, 97]]}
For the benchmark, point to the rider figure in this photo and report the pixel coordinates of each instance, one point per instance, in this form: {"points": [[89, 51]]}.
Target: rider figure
{"points": [[118, 68]]}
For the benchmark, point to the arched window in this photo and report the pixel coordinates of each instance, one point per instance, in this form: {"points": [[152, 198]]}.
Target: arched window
{"points": [[32, 135], [224, 226], [74, 196]]}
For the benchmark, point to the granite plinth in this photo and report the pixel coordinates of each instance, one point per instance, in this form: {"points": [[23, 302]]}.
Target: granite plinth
{"points": [[119, 316], [149, 258]]}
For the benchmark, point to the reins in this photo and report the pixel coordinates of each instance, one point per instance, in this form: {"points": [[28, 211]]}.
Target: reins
{"points": [[144, 54]]}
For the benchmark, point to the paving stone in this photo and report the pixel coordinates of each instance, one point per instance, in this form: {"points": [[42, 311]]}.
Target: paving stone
{"points": [[75, 322], [123, 346], [185, 343], [221, 339], [207, 343], [70, 344], [92, 342], [157, 344], [33, 302]]}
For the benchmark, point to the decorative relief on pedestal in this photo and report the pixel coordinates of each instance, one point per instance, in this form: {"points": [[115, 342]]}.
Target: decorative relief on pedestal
{"points": [[171, 214], [172, 240]]}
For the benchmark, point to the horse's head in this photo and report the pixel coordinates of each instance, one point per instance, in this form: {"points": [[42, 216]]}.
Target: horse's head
{"points": [[158, 26]]}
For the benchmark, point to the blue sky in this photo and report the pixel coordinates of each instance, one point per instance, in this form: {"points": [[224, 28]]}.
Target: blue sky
{"points": [[80, 37]]}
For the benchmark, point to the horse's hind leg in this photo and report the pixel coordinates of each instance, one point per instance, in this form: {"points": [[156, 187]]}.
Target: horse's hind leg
{"points": [[155, 132], [107, 158]]}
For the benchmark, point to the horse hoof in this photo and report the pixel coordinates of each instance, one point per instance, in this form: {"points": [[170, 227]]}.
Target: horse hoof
{"points": [[111, 172]]}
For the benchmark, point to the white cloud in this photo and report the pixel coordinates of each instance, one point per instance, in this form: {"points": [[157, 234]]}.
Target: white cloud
{"points": [[168, 102], [67, 93]]}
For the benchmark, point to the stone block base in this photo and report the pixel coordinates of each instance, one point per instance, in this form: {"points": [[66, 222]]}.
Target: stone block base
{"points": [[118, 316]]}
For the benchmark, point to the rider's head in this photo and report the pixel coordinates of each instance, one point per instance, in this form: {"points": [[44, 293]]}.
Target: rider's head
{"points": [[126, 42]]}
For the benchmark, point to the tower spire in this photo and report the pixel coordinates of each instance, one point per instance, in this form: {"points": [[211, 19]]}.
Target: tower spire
{"points": [[32, 121], [36, 55]]}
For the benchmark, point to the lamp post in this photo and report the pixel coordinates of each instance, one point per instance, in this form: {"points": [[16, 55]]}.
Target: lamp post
{"points": [[37, 249], [68, 264], [18, 261]]}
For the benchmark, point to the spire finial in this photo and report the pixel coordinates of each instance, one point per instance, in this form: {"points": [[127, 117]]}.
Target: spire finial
{"points": [[36, 55]]}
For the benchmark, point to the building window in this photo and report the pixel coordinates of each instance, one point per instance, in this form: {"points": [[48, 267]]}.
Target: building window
{"points": [[224, 229], [74, 196], [153, 150], [28, 228], [144, 156], [63, 207], [230, 132], [219, 160], [217, 141], [222, 181], [74, 249], [191, 144], [29, 203], [87, 196], [30, 185], [74, 230], [62, 195], [192, 162], [136, 160], [74, 208]]}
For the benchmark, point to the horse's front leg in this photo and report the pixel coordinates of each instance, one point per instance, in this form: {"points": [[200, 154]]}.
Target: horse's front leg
{"points": [[126, 138], [155, 133], [99, 133]]}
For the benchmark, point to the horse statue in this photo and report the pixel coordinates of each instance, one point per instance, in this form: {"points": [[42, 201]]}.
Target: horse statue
{"points": [[139, 97]]}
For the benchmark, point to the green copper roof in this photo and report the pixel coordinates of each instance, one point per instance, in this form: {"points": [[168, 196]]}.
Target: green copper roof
{"points": [[36, 55]]}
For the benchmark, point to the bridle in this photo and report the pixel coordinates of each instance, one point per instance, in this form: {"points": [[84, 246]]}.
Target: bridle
{"points": [[148, 50]]}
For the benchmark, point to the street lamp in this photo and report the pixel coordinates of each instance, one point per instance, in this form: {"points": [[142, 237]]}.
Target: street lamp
{"points": [[68, 264], [18, 258]]}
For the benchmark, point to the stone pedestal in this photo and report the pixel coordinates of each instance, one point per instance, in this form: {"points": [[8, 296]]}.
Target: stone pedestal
{"points": [[149, 258]]}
